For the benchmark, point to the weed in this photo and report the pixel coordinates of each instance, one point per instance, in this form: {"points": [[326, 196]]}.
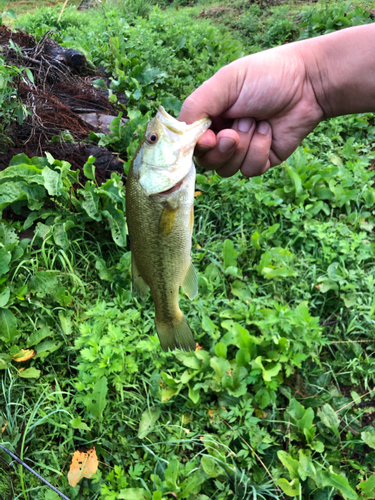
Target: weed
{"points": [[273, 402]]}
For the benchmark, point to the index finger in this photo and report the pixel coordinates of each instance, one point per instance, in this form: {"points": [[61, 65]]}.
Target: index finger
{"points": [[212, 98]]}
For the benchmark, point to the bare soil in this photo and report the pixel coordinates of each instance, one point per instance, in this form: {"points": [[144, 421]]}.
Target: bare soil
{"points": [[56, 100]]}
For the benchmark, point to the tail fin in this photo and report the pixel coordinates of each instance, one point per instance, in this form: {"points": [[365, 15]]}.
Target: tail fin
{"points": [[176, 334]]}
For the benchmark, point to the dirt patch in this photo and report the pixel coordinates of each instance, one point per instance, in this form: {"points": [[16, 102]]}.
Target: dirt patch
{"points": [[58, 97], [21, 38], [87, 4], [221, 10], [218, 11]]}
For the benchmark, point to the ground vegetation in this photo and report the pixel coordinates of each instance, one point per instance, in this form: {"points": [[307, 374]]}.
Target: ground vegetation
{"points": [[278, 399]]}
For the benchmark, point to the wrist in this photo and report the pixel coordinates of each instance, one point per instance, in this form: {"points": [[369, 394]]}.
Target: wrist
{"points": [[341, 69]]}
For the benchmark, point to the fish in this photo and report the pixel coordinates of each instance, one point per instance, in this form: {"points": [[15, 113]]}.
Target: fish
{"points": [[160, 217]]}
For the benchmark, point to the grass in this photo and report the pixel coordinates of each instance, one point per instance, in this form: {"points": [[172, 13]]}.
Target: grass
{"points": [[22, 7], [277, 401]]}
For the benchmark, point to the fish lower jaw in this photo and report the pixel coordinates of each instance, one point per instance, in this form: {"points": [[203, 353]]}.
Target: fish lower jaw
{"points": [[171, 190]]}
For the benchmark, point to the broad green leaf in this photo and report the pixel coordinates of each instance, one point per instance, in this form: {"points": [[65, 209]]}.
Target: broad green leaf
{"points": [[189, 359], [242, 338], [329, 418], [104, 273], [59, 236], [171, 474], [194, 395], [242, 291], [148, 421], [28, 173], [270, 370], [291, 489], [112, 189], [11, 192], [77, 423], [89, 168], [66, 323], [29, 74], [91, 202], [268, 233], [306, 422], [339, 482], [276, 263], [29, 373], [368, 486], [317, 446], [263, 398], [11, 13], [168, 392], [306, 467], [5, 361], [290, 463], [191, 486], [5, 258], [39, 335], [296, 410], [134, 494], [209, 326], [46, 348], [220, 366], [255, 240], [4, 297], [117, 224], [8, 325], [172, 104], [220, 350], [210, 466], [369, 438], [52, 181], [229, 254], [296, 180], [96, 400]]}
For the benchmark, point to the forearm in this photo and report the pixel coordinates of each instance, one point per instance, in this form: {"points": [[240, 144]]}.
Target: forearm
{"points": [[341, 69]]}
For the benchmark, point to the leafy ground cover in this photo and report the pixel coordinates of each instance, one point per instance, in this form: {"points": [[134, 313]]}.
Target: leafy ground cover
{"points": [[278, 399], [21, 7]]}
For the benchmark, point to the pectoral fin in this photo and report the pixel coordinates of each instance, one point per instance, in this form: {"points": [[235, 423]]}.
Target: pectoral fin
{"points": [[139, 285], [190, 283], [166, 222]]}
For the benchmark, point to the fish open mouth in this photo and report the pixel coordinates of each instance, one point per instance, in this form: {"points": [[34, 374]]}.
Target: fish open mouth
{"points": [[173, 189]]}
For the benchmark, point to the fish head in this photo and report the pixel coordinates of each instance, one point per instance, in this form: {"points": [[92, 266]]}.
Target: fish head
{"points": [[165, 156]]}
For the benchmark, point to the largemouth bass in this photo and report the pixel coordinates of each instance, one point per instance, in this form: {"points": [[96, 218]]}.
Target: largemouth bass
{"points": [[160, 217]]}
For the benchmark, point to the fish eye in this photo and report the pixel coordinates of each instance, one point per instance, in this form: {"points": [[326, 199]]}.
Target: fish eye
{"points": [[152, 138]]}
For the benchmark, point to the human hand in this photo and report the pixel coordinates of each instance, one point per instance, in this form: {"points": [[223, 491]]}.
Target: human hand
{"points": [[262, 106]]}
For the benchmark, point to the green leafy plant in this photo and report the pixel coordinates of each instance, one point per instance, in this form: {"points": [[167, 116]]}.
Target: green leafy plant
{"points": [[277, 401]]}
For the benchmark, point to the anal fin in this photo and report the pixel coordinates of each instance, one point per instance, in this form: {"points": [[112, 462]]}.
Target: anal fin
{"points": [[139, 284], [190, 283]]}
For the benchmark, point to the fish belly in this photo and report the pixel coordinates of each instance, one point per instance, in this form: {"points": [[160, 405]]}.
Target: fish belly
{"points": [[160, 229]]}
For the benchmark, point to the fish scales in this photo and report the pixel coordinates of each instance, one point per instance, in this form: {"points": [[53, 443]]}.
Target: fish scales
{"points": [[161, 260], [159, 206]]}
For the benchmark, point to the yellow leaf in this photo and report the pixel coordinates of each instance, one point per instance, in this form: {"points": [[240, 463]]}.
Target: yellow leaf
{"points": [[260, 413], [83, 465], [4, 427], [212, 413], [198, 347], [198, 193], [24, 355]]}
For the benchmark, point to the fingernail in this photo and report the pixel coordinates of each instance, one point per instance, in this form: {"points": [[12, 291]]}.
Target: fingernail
{"points": [[226, 144], [244, 124], [263, 128]]}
